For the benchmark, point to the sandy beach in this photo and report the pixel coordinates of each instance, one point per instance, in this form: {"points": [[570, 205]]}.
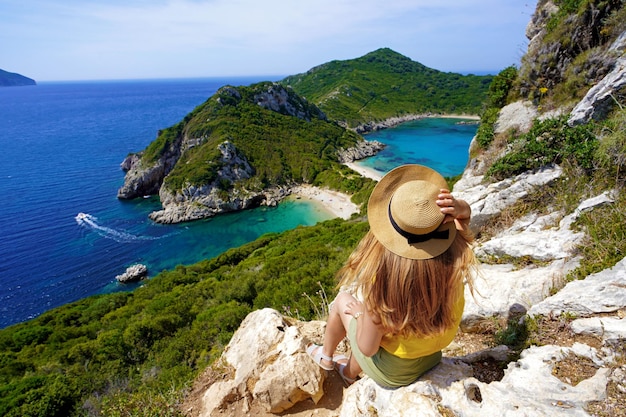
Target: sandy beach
{"points": [[337, 203], [366, 172]]}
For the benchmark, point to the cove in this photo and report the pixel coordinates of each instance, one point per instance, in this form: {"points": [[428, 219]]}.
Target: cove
{"points": [[438, 143]]}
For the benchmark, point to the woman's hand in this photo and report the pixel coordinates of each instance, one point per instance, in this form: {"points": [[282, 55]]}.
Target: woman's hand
{"points": [[354, 308], [453, 208]]}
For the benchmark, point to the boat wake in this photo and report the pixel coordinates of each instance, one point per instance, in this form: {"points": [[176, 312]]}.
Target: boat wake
{"points": [[91, 222]]}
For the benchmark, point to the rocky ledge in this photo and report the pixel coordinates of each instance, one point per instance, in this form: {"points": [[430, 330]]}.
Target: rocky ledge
{"points": [[363, 149]]}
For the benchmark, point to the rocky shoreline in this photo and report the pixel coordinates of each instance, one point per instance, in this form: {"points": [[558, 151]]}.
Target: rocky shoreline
{"points": [[195, 203], [397, 120]]}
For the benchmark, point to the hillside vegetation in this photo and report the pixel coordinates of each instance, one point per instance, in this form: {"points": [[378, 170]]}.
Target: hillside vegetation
{"points": [[292, 142], [385, 84], [135, 354]]}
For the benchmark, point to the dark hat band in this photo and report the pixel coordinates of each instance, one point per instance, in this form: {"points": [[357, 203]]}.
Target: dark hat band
{"points": [[413, 238]]}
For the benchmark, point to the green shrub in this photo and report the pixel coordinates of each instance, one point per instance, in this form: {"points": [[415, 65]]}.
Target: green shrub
{"points": [[485, 131], [496, 99], [500, 87], [550, 141]]}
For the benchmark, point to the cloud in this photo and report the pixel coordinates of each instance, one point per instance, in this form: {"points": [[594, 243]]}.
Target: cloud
{"points": [[280, 36]]}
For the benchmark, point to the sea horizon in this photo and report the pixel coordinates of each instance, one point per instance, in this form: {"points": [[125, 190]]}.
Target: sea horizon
{"points": [[256, 78], [274, 77]]}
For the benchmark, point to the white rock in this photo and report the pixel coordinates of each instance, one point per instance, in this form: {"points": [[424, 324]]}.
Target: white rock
{"points": [[366, 398], [530, 236], [609, 329], [498, 288], [270, 366], [602, 96], [528, 388], [133, 273], [488, 200], [603, 292], [518, 115]]}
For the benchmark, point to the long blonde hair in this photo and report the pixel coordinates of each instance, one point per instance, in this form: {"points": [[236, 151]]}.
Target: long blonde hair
{"points": [[410, 296]]}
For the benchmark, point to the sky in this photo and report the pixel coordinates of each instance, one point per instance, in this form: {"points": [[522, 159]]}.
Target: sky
{"points": [[62, 40]]}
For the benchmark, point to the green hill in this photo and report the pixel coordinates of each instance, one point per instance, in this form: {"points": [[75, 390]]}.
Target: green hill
{"points": [[11, 79], [277, 138], [384, 84], [291, 142]]}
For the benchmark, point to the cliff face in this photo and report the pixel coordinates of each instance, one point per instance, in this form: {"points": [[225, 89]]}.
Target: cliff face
{"points": [[198, 202], [570, 43], [143, 178]]}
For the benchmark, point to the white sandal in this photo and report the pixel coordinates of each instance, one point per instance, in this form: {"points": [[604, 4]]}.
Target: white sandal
{"points": [[339, 367], [315, 352]]}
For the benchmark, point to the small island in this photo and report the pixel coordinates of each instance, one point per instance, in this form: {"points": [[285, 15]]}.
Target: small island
{"points": [[11, 79]]}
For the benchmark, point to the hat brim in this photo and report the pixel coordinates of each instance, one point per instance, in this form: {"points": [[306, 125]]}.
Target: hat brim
{"points": [[380, 223]]}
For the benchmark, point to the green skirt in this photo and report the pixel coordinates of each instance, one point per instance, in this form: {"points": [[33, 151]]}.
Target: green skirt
{"points": [[387, 370]]}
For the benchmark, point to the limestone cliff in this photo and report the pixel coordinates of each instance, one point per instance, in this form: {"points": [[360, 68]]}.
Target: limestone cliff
{"points": [[196, 202], [568, 46]]}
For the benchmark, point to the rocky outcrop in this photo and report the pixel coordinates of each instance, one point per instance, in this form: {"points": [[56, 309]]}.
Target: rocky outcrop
{"points": [[198, 202], [363, 149], [517, 116], [226, 193], [602, 97], [282, 100], [130, 161], [133, 273], [489, 199], [145, 179], [207, 201], [601, 293], [550, 59]]}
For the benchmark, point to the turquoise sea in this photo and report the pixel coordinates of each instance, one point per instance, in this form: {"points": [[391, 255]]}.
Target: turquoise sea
{"points": [[439, 143], [62, 145]]}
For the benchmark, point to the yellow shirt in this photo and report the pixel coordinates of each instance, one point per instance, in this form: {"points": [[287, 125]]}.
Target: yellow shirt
{"points": [[414, 347]]}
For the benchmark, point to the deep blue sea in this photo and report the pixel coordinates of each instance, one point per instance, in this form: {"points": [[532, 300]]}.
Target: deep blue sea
{"points": [[62, 145]]}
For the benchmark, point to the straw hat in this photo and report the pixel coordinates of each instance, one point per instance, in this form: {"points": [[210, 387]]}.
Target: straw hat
{"points": [[404, 216]]}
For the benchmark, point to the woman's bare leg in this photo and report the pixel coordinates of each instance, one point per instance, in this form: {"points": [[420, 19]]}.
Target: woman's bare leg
{"points": [[336, 329]]}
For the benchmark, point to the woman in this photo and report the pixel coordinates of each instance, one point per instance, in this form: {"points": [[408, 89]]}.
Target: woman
{"points": [[407, 280]]}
